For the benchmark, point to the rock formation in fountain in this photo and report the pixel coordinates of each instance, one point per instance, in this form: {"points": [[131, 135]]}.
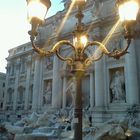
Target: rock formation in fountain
{"points": [[115, 129], [60, 125]]}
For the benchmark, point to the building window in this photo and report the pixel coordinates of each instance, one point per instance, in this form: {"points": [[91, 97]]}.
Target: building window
{"points": [[3, 84], [1, 105]]}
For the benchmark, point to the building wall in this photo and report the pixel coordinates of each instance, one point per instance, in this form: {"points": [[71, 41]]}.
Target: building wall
{"points": [[110, 86], [2, 89]]}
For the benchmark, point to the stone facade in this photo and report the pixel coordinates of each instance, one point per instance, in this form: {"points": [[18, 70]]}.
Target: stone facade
{"points": [[2, 88], [110, 86]]}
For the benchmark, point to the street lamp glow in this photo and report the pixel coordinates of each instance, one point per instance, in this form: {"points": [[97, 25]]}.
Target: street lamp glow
{"points": [[36, 10], [80, 42], [80, 2], [84, 40], [75, 40], [128, 10]]}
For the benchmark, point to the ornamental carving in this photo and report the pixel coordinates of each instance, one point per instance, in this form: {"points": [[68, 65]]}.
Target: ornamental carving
{"points": [[48, 63]]}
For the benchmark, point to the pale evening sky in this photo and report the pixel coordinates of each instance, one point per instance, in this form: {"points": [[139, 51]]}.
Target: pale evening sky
{"points": [[14, 25]]}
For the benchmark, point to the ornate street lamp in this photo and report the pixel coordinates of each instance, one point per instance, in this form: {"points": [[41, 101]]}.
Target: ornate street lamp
{"points": [[128, 10]]}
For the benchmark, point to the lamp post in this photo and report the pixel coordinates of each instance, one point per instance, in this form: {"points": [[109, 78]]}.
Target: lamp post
{"points": [[79, 60]]}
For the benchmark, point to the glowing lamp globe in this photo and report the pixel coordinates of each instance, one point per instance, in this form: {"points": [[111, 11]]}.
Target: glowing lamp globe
{"points": [[37, 9], [128, 10], [84, 40], [80, 41], [80, 2]]}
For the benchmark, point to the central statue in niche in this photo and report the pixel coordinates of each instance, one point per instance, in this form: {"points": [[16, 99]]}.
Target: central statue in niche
{"points": [[117, 87], [70, 93]]}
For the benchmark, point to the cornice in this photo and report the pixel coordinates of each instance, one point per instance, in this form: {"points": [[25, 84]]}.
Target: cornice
{"points": [[15, 56]]}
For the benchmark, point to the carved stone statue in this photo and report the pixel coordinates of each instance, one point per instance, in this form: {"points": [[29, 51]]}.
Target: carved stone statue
{"points": [[47, 93], [49, 64], [117, 86], [70, 93], [97, 7]]}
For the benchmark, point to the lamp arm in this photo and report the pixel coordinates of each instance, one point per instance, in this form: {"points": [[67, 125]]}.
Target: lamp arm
{"points": [[94, 57], [98, 44], [61, 43], [57, 47], [118, 53], [68, 59], [39, 50], [115, 54]]}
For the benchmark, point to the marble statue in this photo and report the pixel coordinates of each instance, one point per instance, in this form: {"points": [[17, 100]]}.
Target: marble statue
{"points": [[86, 120], [117, 87], [27, 123], [117, 129], [49, 63], [71, 89], [47, 93], [97, 7]]}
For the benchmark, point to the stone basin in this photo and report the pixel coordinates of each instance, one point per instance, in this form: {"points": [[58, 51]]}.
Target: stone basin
{"points": [[30, 137], [37, 136]]}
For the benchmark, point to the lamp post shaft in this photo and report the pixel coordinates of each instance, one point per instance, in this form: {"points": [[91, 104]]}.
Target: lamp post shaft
{"points": [[78, 109]]}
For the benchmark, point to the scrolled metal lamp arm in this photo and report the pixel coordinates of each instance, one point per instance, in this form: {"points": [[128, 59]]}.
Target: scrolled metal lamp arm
{"points": [[41, 52], [94, 58], [115, 54], [55, 49]]}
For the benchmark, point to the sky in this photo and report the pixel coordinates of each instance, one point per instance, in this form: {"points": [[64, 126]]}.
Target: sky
{"points": [[14, 26]]}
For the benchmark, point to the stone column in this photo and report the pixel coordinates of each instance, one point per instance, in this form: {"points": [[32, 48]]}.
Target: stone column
{"points": [[40, 96], [64, 89], [92, 96], [16, 85], [99, 83], [27, 83], [131, 79], [36, 84], [6, 88], [56, 99]]}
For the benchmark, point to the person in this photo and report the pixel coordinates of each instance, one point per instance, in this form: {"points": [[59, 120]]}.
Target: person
{"points": [[117, 87]]}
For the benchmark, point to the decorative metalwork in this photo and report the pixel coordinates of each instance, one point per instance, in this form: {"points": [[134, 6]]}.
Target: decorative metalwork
{"points": [[79, 48]]}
